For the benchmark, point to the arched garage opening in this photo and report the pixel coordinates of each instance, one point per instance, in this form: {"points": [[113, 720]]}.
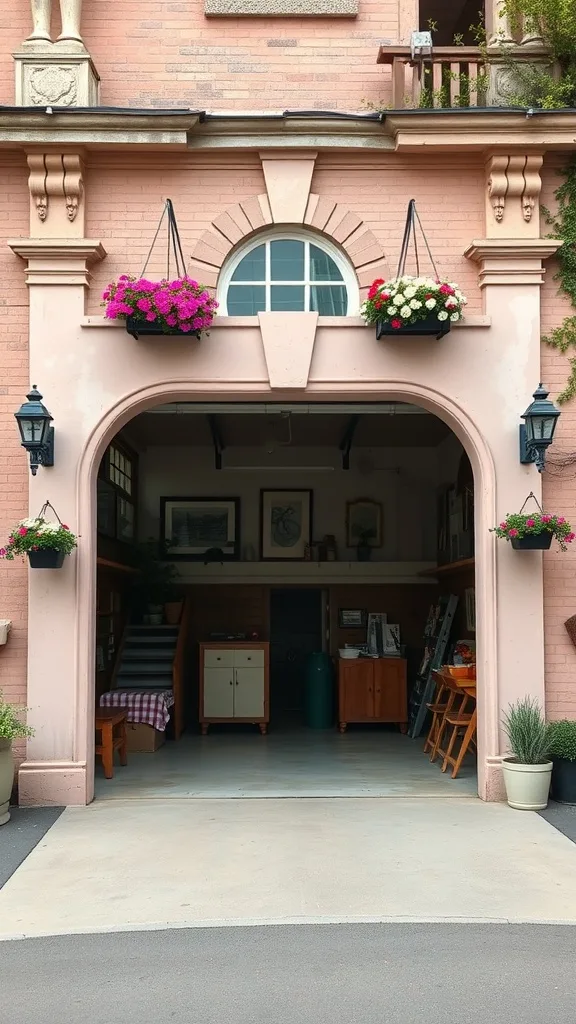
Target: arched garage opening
{"points": [[414, 461]]}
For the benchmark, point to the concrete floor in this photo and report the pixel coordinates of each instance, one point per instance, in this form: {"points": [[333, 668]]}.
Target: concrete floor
{"points": [[300, 763], [358, 974], [139, 864]]}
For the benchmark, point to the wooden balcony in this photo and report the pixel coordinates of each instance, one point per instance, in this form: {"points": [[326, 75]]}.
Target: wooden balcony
{"points": [[453, 76]]}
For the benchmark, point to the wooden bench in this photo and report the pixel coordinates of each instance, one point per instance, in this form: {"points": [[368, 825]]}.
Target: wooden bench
{"points": [[111, 724]]}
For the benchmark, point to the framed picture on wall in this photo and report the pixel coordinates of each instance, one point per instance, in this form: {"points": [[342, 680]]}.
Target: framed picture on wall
{"points": [[191, 527], [352, 618], [364, 523], [285, 524]]}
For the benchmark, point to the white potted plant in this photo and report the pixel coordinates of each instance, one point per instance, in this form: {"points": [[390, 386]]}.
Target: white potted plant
{"points": [[11, 727], [527, 769]]}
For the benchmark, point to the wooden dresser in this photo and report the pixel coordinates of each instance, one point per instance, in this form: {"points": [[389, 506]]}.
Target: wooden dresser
{"points": [[372, 690], [234, 684]]}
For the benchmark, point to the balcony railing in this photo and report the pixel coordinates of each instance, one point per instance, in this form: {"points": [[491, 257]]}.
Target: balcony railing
{"points": [[453, 76]]}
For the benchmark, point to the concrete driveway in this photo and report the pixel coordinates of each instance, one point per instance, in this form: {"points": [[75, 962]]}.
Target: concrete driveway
{"points": [[155, 864]]}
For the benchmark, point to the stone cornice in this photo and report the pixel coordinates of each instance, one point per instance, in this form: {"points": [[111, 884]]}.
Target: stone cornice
{"points": [[96, 128], [468, 130], [398, 130], [505, 261], [58, 260]]}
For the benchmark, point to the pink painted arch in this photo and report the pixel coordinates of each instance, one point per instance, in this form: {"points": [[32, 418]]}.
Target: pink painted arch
{"points": [[434, 401]]}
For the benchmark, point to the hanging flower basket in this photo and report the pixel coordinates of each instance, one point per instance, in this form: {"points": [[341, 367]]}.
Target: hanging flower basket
{"points": [[45, 543], [414, 305], [534, 531], [173, 306], [48, 558]]}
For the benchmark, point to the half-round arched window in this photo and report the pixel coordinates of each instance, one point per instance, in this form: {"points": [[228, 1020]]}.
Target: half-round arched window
{"points": [[284, 272]]}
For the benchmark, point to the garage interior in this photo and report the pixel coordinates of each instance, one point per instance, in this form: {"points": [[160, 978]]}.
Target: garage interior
{"points": [[272, 570]]}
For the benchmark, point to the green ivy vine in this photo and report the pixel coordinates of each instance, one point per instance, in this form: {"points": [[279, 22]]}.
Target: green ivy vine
{"points": [[563, 224]]}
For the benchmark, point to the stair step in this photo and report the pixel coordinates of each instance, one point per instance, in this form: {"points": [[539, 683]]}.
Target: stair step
{"points": [[148, 629], [147, 654], [146, 668], [166, 642], [151, 683]]}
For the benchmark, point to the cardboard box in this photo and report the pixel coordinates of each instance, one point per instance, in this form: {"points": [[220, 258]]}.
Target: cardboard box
{"points": [[143, 739]]}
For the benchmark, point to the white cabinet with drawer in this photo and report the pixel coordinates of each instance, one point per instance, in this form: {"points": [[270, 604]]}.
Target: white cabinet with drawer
{"points": [[234, 684]]}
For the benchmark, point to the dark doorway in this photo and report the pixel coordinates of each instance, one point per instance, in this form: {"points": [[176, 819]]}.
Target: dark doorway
{"points": [[295, 633]]}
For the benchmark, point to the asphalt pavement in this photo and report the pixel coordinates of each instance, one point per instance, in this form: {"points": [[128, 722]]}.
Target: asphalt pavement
{"points": [[302, 974]]}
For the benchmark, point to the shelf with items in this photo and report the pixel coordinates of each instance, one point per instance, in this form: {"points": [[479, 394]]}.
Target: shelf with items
{"points": [[461, 565]]}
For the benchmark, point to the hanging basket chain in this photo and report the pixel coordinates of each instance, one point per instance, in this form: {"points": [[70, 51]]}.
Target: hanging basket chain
{"points": [[412, 219], [45, 506], [174, 244], [535, 499]]}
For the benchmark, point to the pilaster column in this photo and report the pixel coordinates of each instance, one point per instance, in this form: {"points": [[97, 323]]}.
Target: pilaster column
{"points": [[58, 259], [510, 274]]}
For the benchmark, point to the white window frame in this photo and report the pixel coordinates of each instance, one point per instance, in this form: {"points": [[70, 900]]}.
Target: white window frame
{"points": [[349, 279]]}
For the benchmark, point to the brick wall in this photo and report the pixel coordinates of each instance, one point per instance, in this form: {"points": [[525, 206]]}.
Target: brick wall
{"points": [[168, 54], [14, 384], [559, 494], [376, 187]]}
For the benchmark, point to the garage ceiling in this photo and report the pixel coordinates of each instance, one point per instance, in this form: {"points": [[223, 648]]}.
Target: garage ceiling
{"points": [[298, 430]]}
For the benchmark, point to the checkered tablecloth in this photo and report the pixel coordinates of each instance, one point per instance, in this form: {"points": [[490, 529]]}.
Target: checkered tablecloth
{"points": [[151, 707]]}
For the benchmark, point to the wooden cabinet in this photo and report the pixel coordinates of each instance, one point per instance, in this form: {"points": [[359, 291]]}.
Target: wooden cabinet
{"points": [[372, 690], [234, 684]]}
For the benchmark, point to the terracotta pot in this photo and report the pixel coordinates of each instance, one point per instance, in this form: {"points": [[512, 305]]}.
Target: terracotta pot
{"points": [[527, 785], [6, 778], [172, 612]]}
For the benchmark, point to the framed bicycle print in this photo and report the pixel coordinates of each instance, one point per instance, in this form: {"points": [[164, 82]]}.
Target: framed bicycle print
{"points": [[285, 524]]}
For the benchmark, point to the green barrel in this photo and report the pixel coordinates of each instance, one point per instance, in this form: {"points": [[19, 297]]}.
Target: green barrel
{"points": [[319, 705]]}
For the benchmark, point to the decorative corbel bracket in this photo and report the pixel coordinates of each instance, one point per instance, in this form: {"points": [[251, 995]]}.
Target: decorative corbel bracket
{"points": [[56, 189], [513, 187]]}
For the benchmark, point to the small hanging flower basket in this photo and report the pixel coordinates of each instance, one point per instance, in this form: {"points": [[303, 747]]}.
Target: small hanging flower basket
{"points": [[178, 306], [416, 305], [45, 543], [534, 531]]}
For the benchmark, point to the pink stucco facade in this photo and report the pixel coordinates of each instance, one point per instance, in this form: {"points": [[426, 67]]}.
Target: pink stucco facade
{"points": [[350, 182]]}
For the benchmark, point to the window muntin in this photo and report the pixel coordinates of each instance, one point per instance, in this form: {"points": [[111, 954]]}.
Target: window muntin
{"points": [[288, 273]]}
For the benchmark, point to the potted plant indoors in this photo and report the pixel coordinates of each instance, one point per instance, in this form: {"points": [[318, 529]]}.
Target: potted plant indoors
{"points": [[563, 754], [45, 543], [364, 547], [534, 531], [11, 728], [154, 587], [413, 305], [527, 769]]}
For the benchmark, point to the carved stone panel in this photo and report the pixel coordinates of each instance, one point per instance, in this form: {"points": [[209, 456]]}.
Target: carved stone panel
{"points": [[55, 79], [281, 8]]}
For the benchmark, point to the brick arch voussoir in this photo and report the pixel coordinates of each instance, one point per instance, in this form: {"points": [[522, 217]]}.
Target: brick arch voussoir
{"points": [[345, 228]]}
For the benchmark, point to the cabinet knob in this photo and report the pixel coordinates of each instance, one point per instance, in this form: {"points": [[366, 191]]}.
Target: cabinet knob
{"points": [[230, 682]]}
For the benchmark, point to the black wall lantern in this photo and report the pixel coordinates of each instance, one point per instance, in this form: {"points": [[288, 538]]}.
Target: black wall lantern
{"points": [[37, 436], [537, 433]]}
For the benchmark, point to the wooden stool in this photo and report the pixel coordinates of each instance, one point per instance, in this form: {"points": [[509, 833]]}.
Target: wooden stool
{"points": [[111, 724], [460, 721]]}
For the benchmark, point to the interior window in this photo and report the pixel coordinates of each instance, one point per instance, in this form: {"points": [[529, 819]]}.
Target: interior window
{"points": [[287, 274]]}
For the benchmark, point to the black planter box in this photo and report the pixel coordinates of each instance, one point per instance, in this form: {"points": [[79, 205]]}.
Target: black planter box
{"points": [[46, 558], [564, 780], [137, 328], [532, 542], [430, 327]]}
